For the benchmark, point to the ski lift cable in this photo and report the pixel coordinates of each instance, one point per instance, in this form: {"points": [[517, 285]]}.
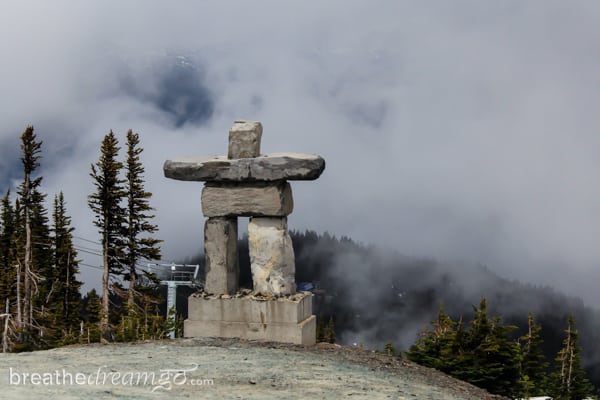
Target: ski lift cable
{"points": [[87, 240]]}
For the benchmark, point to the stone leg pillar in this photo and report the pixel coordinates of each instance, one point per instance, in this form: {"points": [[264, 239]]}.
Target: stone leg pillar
{"points": [[220, 249], [271, 256]]}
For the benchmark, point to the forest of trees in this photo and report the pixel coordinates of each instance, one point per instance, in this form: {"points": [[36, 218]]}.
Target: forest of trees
{"points": [[123, 217], [40, 292], [484, 353]]}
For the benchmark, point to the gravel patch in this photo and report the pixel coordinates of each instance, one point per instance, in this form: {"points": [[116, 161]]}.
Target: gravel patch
{"points": [[222, 368]]}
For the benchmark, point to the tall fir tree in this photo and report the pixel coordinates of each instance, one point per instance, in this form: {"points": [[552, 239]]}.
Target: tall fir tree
{"points": [[43, 260], [140, 245], [533, 365], [493, 359], [7, 262], [7, 269], [569, 381], [66, 288], [35, 266], [18, 248], [110, 218], [434, 347], [31, 149], [142, 297]]}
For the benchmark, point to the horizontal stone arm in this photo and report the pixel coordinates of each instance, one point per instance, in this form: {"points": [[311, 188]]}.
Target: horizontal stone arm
{"points": [[268, 167]]}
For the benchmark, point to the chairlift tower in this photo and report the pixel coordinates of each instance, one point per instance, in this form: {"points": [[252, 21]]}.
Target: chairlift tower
{"points": [[173, 275]]}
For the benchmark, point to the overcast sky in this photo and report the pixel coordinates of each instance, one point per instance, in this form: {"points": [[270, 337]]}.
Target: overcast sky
{"points": [[463, 130]]}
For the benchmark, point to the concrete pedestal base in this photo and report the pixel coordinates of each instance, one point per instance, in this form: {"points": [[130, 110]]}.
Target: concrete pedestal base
{"points": [[287, 319]]}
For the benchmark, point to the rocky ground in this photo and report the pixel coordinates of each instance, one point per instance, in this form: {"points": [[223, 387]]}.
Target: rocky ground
{"points": [[220, 368]]}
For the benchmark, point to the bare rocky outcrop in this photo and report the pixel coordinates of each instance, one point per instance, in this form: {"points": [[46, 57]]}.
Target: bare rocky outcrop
{"points": [[211, 368]]}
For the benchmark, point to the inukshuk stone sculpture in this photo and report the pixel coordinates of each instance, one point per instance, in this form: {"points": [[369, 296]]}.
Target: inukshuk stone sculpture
{"points": [[246, 183]]}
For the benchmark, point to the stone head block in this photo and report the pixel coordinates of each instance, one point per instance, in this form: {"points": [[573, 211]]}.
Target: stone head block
{"points": [[244, 139]]}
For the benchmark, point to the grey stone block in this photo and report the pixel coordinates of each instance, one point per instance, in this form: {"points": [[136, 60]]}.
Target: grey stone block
{"points": [[244, 139], [244, 309], [247, 199], [268, 167], [220, 249], [303, 332], [271, 256]]}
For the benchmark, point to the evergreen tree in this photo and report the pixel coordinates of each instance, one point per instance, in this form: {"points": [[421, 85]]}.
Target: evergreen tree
{"points": [[533, 364], [66, 294], [326, 331], [569, 382], [18, 248], [91, 314], [7, 269], [43, 259], [7, 262], [171, 323], [492, 362], [31, 149], [154, 323], [484, 355], [389, 349], [320, 328], [329, 335], [35, 259], [110, 217], [139, 244], [456, 353], [434, 347]]}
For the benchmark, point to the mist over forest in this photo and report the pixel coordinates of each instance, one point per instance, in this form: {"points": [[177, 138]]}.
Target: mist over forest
{"points": [[378, 296]]}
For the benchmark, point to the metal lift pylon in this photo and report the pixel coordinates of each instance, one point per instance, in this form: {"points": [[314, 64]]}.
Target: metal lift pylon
{"points": [[173, 275]]}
